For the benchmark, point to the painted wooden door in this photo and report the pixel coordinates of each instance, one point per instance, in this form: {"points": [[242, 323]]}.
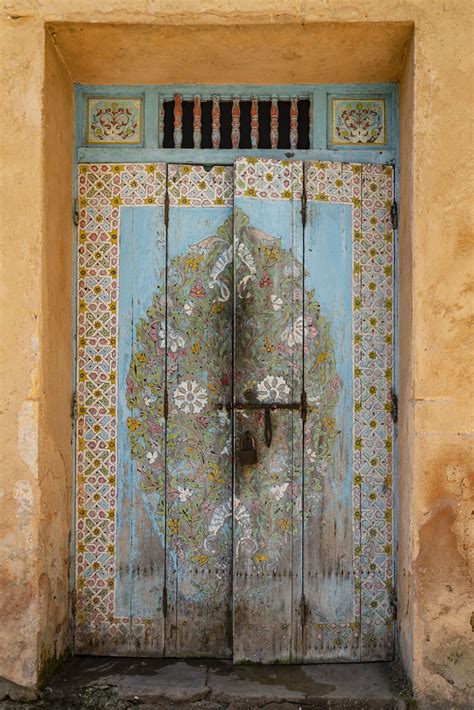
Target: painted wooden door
{"points": [[203, 291]]}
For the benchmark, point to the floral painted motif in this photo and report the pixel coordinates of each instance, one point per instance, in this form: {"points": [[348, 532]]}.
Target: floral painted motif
{"points": [[272, 389], [198, 434], [196, 307], [358, 122], [271, 339], [114, 121], [190, 397]]}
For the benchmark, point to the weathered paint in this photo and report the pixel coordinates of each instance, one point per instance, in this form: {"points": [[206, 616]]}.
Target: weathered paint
{"points": [[164, 340], [434, 401]]}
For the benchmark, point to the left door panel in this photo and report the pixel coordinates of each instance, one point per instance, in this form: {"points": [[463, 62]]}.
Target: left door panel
{"points": [[120, 551]]}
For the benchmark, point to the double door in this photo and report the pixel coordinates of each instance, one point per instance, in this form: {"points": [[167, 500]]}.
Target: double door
{"points": [[234, 431]]}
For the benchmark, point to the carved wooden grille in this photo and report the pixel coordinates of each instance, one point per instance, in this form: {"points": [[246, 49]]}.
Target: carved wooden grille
{"points": [[240, 122]]}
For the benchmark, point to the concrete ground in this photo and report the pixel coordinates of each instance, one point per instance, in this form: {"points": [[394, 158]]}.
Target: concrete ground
{"points": [[122, 683]]}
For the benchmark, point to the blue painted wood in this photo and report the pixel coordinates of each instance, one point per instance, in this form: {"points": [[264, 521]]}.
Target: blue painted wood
{"points": [[223, 157], [328, 577], [140, 522]]}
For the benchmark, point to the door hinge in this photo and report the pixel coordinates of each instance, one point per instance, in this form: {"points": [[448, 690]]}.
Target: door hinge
{"points": [[165, 404], [167, 208], [394, 405], [164, 603], [394, 215], [75, 212], [73, 405]]}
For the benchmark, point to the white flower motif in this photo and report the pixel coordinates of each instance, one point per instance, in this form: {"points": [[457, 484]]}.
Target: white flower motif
{"points": [[314, 401], [272, 389], [278, 490], [312, 455], [190, 397], [175, 340], [245, 255], [222, 416], [188, 308], [294, 333], [184, 493], [276, 302], [152, 456]]}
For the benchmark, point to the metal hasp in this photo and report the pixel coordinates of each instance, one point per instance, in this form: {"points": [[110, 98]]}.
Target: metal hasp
{"points": [[302, 406]]}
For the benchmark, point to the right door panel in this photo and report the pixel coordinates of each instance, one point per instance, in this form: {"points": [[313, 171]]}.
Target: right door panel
{"points": [[348, 440]]}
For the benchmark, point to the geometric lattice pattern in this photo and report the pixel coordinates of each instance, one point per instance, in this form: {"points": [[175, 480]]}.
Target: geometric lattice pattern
{"points": [[269, 179], [198, 186], [102, 189], [369, 189]]}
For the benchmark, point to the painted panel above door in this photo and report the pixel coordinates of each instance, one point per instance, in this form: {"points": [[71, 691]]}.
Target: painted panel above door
{"points": [[193, 123]]}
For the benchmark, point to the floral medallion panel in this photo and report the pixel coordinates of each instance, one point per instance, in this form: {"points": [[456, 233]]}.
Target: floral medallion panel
{"points": [[348, 462], [114, 121], [198, 340], [358, 122], [268, 361], [119, 528]]}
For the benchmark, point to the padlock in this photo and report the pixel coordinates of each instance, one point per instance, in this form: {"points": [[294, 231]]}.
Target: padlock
{"points": [[247, 450]]}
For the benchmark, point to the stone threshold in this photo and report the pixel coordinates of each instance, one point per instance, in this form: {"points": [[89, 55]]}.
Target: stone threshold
{"points": [[144, 683]]}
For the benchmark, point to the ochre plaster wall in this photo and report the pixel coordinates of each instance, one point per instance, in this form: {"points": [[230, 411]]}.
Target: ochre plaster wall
{"points": [[435, 599], [56, 372], [36, 340]]}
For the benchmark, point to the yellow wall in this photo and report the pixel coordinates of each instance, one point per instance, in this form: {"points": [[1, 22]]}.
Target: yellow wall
{"points": [[194, 40]]}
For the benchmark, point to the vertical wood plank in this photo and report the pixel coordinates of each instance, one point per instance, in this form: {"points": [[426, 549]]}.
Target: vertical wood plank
{"points": [[140, 520], [216, 123], [268, 359], [178, 121], [331, 602], [199, 457]]}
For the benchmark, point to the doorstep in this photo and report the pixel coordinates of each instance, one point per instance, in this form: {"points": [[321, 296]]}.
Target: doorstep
{"points": [[145, 683]]}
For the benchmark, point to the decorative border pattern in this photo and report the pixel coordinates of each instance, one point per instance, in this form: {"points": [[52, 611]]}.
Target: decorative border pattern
{"points": [[264, 178], [369, 190], [114, 121], [358, 122], [102, 189], [196, 186]]}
